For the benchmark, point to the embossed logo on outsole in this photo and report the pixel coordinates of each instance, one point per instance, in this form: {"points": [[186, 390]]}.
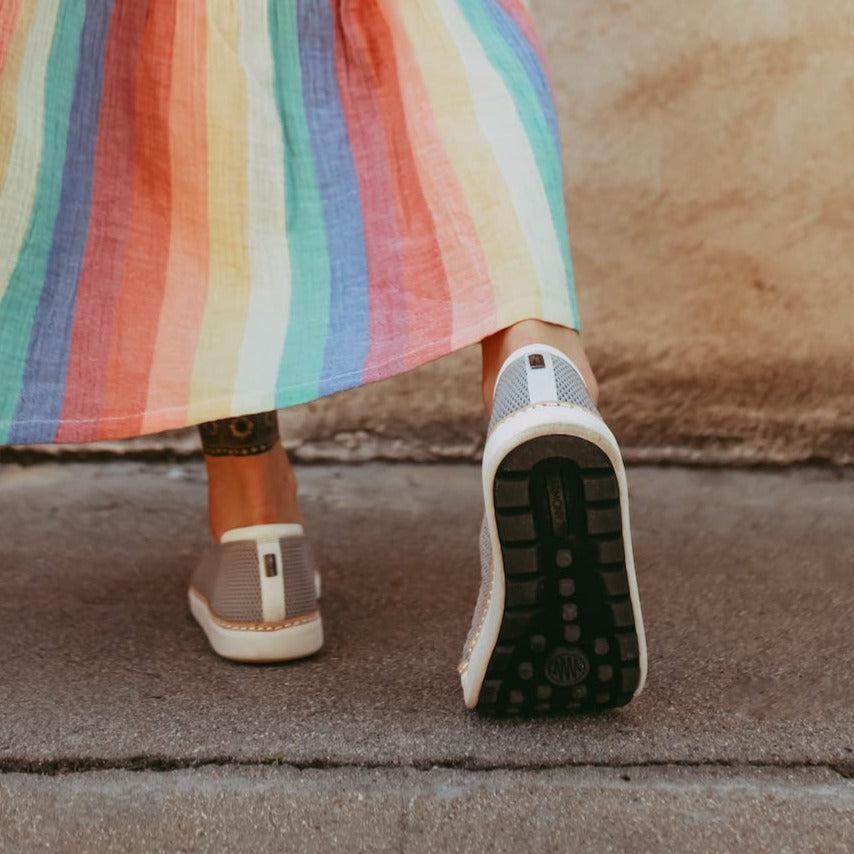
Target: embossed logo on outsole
{"points": [[567, 667]]}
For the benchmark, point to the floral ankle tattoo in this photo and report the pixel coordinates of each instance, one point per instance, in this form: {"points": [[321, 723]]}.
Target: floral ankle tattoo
{"points": [[243, 436]]}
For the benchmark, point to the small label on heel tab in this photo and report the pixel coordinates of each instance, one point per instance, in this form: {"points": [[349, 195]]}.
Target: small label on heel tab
{"points": [[536, 360], [271, 566]]}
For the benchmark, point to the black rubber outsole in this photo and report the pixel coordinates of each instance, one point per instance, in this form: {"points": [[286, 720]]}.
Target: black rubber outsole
{"points": [[568, 641]]}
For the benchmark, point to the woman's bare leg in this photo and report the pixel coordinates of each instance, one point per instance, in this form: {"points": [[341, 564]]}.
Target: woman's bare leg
{"points": [[250, 480], [255, 595]]}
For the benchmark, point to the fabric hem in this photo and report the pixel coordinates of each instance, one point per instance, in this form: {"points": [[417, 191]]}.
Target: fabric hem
{"points": [[550, 311]]}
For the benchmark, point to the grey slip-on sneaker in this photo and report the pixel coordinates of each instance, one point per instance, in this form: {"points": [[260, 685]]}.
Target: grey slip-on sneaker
{"points": [[255, 594], [557, 626]]}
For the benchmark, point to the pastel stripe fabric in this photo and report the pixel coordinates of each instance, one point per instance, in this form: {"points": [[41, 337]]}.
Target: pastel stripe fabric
{"points": [[216, 207]]}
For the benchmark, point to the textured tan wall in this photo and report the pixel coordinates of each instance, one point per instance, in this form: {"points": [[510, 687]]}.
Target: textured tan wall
{"points": [[710, 181], [710, 184]]}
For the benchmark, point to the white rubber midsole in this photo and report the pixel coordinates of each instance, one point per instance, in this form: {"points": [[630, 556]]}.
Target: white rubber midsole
{"points": [[261, 644], [532, 422]]}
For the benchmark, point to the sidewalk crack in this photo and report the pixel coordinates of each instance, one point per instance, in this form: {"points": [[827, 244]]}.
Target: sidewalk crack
{"points": [[164, 764]]}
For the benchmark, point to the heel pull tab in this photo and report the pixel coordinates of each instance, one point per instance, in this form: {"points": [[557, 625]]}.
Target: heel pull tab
{"points": [[541, 377]]}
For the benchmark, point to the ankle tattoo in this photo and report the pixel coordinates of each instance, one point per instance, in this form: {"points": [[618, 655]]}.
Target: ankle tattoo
{"points": [[243, 436]]}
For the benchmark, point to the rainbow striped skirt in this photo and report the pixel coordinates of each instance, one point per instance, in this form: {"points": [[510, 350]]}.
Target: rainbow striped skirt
{"points": [[216, 207]]}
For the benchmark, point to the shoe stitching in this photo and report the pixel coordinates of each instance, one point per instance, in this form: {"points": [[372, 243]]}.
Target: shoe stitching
{"points": [[256, 627], [464, 664], [277, 627]]}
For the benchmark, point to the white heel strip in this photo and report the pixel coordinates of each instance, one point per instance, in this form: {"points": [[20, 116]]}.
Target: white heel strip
{"points": [[262, 532]]}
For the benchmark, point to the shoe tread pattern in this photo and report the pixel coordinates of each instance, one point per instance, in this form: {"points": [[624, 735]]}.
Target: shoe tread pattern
{"points": [[567, 641]]}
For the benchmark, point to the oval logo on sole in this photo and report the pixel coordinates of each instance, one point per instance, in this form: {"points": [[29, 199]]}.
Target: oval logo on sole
{"points": [[567, 667]]}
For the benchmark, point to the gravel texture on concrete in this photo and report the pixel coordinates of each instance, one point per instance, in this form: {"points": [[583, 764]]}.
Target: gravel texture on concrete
{"points": [[403, 810], [747, 580]]}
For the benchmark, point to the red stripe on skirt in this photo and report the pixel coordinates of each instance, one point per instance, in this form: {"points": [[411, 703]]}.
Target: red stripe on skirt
{"points": [[103, 260], [141, 296], [464, 265], [189, 249], [424, 284], [8, 16]]}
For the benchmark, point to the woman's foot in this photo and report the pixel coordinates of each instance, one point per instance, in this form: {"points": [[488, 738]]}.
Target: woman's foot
{"points": [[255, 592], [557, 627]]}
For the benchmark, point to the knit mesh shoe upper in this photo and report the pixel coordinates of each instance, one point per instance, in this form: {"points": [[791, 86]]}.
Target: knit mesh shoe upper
{"points": [[230, 575], [512, 391]]}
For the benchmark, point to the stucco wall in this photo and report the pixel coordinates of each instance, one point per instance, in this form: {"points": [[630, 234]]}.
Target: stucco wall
{"points": [[709, 152], [710, 183]]}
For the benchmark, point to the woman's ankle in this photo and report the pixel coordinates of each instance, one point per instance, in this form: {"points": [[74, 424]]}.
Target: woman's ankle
{"points": [[496, 348], [253, 490]]}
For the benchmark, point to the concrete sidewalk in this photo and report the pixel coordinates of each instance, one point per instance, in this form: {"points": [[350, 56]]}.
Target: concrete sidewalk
{"points": [[120, 731]]}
